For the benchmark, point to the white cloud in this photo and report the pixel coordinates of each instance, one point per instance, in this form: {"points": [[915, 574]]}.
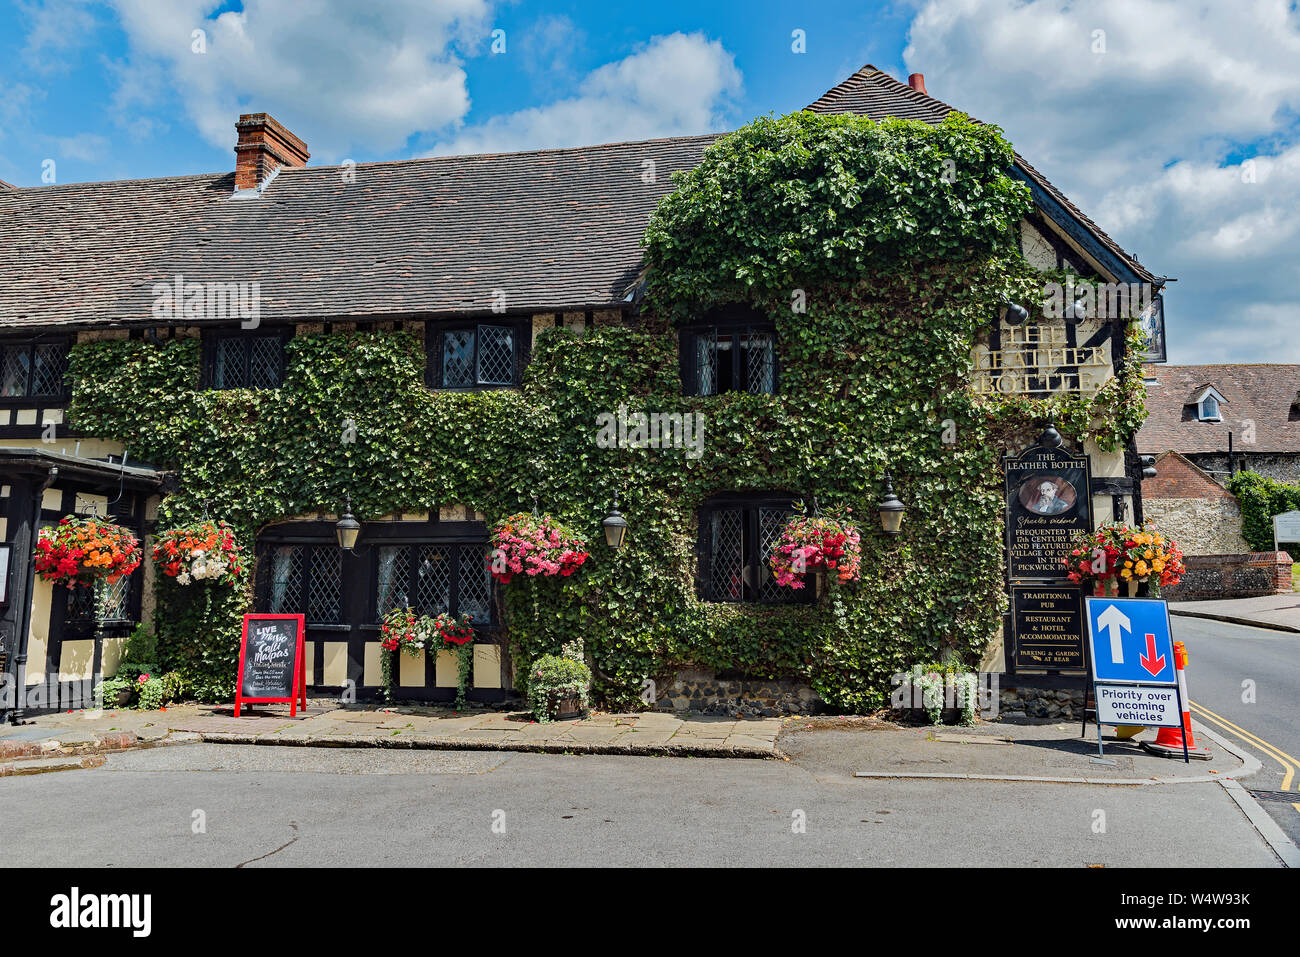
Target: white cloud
{"points": [[87, 147], [1145, 137], [677, 84], [341, 75]]}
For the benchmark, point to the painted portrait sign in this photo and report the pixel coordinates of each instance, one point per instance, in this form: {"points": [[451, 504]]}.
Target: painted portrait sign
{"points": [[1047, 501]]}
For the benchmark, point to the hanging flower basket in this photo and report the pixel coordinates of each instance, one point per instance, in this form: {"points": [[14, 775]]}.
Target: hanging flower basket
{"points": [[82, 551], [1116, 553], [815, 543], [534, 545], [206, 551]]}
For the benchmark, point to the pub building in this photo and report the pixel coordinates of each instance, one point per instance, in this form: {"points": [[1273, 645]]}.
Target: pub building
{"points": [[399, 250]]}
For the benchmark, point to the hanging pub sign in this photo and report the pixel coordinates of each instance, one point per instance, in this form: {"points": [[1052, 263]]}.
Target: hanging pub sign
{"points": [[1048, 499], [1151, 323], [271, 662], [1048, 627]]}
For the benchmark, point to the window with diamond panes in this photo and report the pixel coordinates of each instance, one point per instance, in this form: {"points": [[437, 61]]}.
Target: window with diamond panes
{"points": [[484, 356], [737, 358], [33, 370], [306, 580], [101, 603], [736, 540], [433, 579], [248, 362]]}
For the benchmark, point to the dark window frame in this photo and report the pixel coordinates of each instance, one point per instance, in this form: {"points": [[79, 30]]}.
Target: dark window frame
{"points": [[28, 397], [461, 552], [211, 343], [753, 556], [358, 600], [435, 336], [725, 321], [311, 550]]}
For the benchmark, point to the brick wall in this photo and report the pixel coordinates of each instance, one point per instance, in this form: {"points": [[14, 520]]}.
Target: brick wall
{"points": [[1243, 575]]}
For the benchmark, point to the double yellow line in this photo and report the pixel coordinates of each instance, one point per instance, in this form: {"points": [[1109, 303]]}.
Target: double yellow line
{"points": [[1289, 764]]}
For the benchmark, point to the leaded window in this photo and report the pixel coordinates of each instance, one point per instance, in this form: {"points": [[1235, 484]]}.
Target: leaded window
{"points": [[730, 356], [481, 356], [737, 534], [247, 361], [33, 370], [433, 579], [306, 580], [104, 602]]}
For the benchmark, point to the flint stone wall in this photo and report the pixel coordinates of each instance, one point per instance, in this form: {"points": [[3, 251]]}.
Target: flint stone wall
{"points": [[706, 692]]}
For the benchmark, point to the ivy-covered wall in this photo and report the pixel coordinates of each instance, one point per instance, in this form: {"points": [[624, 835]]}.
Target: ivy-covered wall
{"points": [[901, 240]]}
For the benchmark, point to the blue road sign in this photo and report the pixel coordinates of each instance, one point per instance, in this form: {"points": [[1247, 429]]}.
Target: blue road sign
{"points": [[1129, 641]]}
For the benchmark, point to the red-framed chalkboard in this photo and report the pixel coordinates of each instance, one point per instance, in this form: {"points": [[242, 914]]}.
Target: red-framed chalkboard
{"points": [[271, 662]]}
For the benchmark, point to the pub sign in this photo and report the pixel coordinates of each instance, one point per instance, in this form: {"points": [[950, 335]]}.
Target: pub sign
{"points": [[1048, 500]]}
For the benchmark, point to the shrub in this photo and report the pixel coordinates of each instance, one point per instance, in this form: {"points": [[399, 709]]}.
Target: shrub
{"points": [[551, 679]]}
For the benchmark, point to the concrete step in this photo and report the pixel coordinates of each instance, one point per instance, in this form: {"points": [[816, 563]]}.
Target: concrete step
{"points": [[47, 764]]}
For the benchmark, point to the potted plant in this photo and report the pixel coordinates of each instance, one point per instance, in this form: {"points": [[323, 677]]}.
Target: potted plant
{"points": [[204, 551], [456, 635], [558, 688], [402, 632], [944, 694], [80, 552], [534, 545], [824, 544]]}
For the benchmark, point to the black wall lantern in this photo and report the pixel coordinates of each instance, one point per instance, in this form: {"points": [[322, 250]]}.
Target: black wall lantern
{"points": [[615, 526], [891, 509], [348, 529]]}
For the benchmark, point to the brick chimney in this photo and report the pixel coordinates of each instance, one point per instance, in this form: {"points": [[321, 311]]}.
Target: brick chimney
{"points": [[264, 146], [917, 82]]}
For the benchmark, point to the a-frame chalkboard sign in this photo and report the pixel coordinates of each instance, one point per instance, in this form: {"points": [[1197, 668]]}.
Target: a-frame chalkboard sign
{"points": [[271, 662]]}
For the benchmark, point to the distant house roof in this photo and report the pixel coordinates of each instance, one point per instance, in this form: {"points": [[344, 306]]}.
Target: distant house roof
{"points": [[550, 230], [1258, 399], [1177, 477], [870, 92]]}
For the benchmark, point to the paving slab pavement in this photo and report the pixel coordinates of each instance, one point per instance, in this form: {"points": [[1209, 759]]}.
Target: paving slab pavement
{"points": [[326, 723]]}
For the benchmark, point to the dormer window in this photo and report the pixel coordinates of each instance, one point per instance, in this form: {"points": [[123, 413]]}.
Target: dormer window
{"points": [[1209, 405]]}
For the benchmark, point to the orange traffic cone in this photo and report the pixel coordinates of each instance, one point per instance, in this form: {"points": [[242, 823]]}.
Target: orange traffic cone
{"points": [[1169, 741]]}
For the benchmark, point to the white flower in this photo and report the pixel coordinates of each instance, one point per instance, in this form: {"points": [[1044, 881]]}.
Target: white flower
{"points": [[183, 578]]}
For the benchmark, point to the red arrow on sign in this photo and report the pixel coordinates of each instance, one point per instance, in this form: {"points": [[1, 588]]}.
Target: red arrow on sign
{"points": [[1149, 661]]}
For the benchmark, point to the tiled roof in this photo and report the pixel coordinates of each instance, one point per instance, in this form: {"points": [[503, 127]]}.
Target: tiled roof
{"points": [[554, 229], [1261, 398], [874, 94]]}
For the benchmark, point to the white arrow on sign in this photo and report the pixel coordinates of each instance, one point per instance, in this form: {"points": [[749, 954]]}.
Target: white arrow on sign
{"points": [[1114, 620]]}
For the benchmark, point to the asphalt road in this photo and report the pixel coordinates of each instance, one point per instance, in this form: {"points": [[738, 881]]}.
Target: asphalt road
{"points": [[265, 806], [1245, 684]]}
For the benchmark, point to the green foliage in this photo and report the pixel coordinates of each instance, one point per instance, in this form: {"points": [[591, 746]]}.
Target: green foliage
{"points": [[1261, 498], [806, 199], [551, 679], [902, 271]]}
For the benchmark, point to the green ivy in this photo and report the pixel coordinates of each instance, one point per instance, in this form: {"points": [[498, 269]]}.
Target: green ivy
{"points": [[902, 238], [1261, 498]]}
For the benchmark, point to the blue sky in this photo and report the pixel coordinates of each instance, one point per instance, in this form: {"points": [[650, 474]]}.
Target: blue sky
{"points": [[1172, 122]]}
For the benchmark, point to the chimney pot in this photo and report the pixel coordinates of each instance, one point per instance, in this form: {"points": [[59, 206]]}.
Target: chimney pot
{"points": [[264, 146], [917, 82]]}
